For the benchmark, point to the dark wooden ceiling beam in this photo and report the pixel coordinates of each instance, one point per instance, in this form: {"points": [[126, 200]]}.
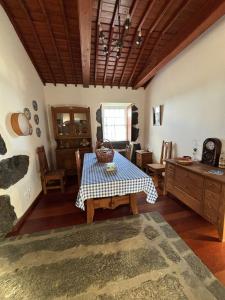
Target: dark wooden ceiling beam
{"points": [[149, 72], [97, 37], [150, 31], [4, 5], [131, 13], [68, 39], [140, 24], [110, 40], [85, 16], [50, 30], [31, 25]]}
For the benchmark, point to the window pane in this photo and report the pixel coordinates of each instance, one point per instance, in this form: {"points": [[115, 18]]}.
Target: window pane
{"points": [[115, 123]]}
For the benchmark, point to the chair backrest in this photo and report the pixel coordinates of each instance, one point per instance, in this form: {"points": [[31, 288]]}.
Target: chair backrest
{"points": [[78, 165], [166, 152], [42, 160], [128, 152]]}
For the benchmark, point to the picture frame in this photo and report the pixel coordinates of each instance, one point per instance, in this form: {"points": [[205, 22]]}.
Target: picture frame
{"points": [[157, 115]]}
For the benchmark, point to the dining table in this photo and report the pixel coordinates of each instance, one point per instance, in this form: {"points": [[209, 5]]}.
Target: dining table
{"points": [[100, 188]]}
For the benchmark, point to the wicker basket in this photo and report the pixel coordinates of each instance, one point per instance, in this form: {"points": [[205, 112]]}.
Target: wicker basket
{"points": [[104, 151]]}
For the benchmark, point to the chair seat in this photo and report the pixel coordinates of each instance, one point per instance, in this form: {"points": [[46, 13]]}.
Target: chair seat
{"points": [[56, 174], [156, 167]]}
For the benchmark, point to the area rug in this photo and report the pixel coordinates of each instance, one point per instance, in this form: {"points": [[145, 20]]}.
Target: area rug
{"points": [[135, 257]]}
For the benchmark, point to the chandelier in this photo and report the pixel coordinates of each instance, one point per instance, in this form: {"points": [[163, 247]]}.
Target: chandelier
{"points": [[117, 44]]}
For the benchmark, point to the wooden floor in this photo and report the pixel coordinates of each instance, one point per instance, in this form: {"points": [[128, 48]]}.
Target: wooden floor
{"points": [[58, 210]]}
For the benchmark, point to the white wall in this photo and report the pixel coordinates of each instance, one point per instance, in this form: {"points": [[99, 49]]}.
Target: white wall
{"points": [[192, 90], [93, 97], [19, 85]]}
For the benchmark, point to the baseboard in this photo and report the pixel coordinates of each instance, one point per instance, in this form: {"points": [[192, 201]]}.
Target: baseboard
{"points": [[16, 228]]}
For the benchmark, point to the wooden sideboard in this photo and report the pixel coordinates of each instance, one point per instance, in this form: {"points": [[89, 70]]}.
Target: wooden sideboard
{"points": [[198, 189]]}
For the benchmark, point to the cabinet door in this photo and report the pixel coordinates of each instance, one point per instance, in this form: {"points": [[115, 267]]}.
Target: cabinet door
{"points": [[80, 121], [63, 124]]}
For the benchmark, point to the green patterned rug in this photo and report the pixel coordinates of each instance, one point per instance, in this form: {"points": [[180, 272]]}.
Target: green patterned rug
{"points": [[136, 257]]}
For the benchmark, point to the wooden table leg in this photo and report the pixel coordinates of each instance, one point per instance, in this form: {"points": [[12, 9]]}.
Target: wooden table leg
{"points": [[133, 204], [90, 211]]}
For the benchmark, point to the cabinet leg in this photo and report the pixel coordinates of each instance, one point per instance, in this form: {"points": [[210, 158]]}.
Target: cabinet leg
{"points": [[62, 185], [221, 231], [90, 211], [133, 204], [155, 179], [44, 187]]}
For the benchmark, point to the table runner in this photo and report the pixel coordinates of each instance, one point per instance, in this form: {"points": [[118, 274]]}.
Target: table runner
{"points": [[97, 183]]}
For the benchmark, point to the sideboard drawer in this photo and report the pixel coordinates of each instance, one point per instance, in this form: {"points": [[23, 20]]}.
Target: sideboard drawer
{"points": [[189, 182], [213, 186]]}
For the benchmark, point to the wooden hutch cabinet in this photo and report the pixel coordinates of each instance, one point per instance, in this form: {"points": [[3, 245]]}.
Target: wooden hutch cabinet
{"points": [[72, 131]]}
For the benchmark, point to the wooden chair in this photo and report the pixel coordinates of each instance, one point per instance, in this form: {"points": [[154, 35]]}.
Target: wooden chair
{"points": [[128, 152], [78, 164], [156, 170], [50, 179]]}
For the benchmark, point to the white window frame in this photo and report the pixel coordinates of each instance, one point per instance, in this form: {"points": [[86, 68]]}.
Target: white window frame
{"points": [[115, 106]]}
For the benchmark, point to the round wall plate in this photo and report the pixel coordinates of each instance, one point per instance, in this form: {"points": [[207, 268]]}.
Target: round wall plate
{"points": [[36, 119], [27, 113], [35, 105], [38, 132]]}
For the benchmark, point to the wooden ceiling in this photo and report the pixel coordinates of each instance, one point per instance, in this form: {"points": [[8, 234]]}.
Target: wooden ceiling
{"points": [[61, 36]]}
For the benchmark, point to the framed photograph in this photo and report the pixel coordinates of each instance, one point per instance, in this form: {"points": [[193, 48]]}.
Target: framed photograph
{"points": [[157, 115]]}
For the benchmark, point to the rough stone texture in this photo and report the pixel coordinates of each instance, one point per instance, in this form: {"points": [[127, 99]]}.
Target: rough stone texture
{"points": [[3, 148], [116, 259], [99, 134], [99, 116], [12, 170], [134, 108], [134, 133], [134, 118], [7, 215]]}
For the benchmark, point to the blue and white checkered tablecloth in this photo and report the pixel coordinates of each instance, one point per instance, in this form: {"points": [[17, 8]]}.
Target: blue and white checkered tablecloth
{"points": [[97, 183]]}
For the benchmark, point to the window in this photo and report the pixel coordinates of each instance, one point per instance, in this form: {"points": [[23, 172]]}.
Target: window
{"points": [[115, 122]]}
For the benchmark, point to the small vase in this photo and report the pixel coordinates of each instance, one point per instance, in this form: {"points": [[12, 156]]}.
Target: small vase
{"points": [[194, 156]]}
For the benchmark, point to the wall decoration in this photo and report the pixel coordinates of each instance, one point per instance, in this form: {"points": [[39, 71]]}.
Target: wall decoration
{"points": [[3, 148], [157, 116], [35, 105], [20, 124], [38, 132], [27, 113], [7, 215], [36, 119], [12, 170]]}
